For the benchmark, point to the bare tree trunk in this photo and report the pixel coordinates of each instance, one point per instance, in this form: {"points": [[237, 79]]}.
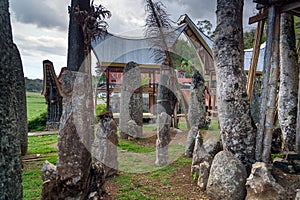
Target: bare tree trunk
{"points": [[237, 129], [272, 93], [287, 102], [10, 159]]}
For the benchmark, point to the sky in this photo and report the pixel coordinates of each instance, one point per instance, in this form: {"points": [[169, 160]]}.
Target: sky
{"points": [[40, 28]]}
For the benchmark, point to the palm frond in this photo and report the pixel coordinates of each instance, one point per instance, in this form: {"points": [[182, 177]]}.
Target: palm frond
{"points": [[92, 21], [159, 27]]}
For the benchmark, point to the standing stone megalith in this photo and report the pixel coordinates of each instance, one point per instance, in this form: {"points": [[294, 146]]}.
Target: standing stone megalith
{"points": [[131, 108], [163, 138], [10, 151], [105, 144], [197, 112]]}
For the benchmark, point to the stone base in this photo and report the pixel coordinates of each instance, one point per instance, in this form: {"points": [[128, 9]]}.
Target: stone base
{"points": [[52, 126]]}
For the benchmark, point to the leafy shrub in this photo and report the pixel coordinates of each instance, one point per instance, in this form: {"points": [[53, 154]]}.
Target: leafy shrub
{"points": [[38, 123], [100, 108]]}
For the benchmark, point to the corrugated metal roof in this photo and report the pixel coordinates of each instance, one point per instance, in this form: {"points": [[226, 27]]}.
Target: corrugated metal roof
{"points": [[111, 48], [248, 56]]}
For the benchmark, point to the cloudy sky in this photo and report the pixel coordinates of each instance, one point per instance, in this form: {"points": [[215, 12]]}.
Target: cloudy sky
{"points": [[40, 28]]}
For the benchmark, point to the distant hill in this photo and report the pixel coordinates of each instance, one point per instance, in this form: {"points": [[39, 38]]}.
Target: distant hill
{"points": [[33, 85]]}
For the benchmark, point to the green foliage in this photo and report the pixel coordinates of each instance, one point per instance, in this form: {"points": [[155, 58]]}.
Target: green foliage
{"points": [[249, 38], [38, 123], [278, 155], [100, 108], [205, 27], [33, 85], [184, 57], [145, 81]]}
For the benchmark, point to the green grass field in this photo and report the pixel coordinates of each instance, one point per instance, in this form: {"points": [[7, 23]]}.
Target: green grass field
{"points": [[35, 105], [128, 186]]}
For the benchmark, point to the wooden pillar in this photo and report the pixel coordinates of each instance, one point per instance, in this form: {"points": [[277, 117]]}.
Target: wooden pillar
{"points": [[273, 91], [265, 81], [254, 59], [107, 89]]}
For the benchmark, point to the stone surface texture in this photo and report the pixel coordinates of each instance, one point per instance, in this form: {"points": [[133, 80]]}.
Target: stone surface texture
{"points": [[262, 186], [10, 135], [131, 105], [227, 177], [105, 145], [163, 139], [197, 111], [75, 136]]}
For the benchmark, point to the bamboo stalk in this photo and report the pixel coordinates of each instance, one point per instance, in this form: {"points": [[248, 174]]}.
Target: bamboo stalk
{"points": [[273, 91], [265, 81]]}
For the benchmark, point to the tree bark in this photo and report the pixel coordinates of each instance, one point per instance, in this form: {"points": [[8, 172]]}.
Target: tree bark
{"points": [[237, 129], [287, 102], [10, 159]]}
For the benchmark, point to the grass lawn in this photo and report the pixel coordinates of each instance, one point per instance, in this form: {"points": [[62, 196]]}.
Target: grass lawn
{"points": [[32, 181], [35, 105]]}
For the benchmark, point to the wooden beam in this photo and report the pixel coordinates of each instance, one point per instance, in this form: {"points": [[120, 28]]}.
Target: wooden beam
{"points": [[289, 6], [254, 59], [260, 16]]}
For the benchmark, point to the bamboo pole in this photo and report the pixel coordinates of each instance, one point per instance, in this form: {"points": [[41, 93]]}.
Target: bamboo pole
{"points": [[254, 59], [265, 81], [273, 91]]}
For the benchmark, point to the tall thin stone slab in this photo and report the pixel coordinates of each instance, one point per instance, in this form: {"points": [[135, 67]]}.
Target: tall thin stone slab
{"points": [[163, 138], [75, 136], [105, 144], [10, 152], [197, 112], [131, 102]]}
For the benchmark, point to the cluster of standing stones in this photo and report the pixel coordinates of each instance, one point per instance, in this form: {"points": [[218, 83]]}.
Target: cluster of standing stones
{"points": [[219, 172]]}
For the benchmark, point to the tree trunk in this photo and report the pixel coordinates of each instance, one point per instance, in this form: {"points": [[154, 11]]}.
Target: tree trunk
{"points": [[287, 102], [10, 159], [237, 129]]}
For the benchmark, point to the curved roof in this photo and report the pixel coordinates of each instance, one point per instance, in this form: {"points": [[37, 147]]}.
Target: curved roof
{"points": [[117, 49]]}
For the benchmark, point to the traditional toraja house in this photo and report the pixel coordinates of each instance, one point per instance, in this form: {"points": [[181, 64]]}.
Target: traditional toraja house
{"points": [[113, 52], [53, 95]]}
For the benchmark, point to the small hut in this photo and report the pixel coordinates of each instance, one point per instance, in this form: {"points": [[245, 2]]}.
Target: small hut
{"points": [[53, 95]]}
